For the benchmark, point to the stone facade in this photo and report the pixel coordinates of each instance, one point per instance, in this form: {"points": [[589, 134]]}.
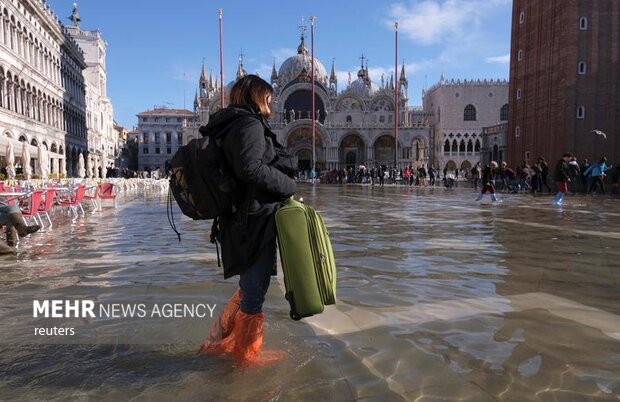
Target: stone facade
{"points": [[564, 79], [42, 97], [494, 143], [355, 126], [102, 138], [43, 88], [159, 135], [460, 110]]}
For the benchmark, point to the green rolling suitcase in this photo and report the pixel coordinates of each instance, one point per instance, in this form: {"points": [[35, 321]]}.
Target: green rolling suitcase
{"points": [[307, 259]]}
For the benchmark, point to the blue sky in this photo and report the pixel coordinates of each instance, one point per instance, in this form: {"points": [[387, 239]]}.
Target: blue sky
{"points": [[155, 48]]}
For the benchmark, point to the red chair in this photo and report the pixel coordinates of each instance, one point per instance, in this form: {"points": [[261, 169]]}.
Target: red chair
{"points": [[29, 206], [45, 207], [74, 200], [106, 192]]}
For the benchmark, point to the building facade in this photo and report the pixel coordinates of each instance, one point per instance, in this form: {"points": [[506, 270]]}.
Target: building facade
{"points": [[459, 111], [354, 126], [494, 144], [101, 136], [158, 136], [42, 97], [564, 80]]}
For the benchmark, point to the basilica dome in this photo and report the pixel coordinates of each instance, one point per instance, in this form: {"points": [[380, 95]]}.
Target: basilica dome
{"points": [[293, 66], [364, 87]]}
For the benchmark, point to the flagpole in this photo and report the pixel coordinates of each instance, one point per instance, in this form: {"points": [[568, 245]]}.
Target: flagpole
{"points": [[313, 112], [222, 86], [396, 97]]}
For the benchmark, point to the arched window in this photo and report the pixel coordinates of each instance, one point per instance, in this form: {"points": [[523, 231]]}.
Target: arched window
{"points": [[503, 113], [446, 147], [477, 146], [581, 68], [581, 112], [517, 132], [455, 146], [349, 119], [518, 93], [462, 146], [470, 146], [583, 24], [521, 17], [520, 55], [469, 113]]}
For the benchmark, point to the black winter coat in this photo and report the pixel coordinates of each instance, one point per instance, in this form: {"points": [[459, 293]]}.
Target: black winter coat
{"points": [[259, 164], [561, 171]]}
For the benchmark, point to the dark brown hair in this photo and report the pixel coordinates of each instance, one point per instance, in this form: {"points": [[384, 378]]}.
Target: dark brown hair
{"points": [[252, 90]]}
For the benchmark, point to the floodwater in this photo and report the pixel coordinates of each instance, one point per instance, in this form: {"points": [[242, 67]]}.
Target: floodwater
{"points": [[439, 298]]}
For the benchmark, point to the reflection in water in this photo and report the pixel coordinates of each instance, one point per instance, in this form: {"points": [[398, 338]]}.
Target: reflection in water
{"points": [[439, 297]]}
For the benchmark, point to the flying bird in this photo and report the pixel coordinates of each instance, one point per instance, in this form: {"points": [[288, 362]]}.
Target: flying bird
{"points": [[599, 132]]}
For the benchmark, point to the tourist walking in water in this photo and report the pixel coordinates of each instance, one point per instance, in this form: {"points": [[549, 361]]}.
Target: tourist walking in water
{"points": [[476, 175], [489, 175], [544, 173], [248, 237], [598, 171], [561, 178]]}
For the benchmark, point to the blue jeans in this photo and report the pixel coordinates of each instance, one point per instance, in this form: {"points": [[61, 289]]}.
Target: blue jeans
{"points": [[254, 282]]}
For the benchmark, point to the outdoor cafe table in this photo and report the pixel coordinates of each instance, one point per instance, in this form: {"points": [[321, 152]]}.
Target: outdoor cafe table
{"points": [[10, 196]]}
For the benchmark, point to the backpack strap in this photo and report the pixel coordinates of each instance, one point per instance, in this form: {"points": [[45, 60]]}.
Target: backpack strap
{"points": [[215, 238]]}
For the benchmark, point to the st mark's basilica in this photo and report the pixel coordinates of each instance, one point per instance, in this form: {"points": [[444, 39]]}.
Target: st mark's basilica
{"points": [[355, 126]]}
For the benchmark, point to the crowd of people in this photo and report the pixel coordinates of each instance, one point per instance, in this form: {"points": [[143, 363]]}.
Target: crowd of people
{"points": [[535, 178], [568, 176]]}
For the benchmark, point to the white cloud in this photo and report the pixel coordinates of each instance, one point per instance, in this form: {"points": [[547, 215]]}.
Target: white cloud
{"points": [[505, 59], [430, 22]]}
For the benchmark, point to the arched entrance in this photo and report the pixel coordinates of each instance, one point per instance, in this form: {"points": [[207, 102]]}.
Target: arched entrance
{"points": [[352, 151], [304, 160], [299, 143], [385, 150], [451, 166], [466, 168]]}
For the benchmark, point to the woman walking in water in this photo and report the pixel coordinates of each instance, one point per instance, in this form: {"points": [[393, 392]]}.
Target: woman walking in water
{"points": [[248, 236]]}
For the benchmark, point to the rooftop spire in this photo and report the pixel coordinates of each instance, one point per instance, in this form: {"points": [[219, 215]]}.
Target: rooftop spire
{"points": [[332, 76], [240, 71], [274, 73], [403, 76], [203, 75], [302, 49], [75, 16]]}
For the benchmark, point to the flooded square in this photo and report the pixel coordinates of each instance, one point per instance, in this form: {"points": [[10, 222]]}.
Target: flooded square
{"points": [[439, 298]]}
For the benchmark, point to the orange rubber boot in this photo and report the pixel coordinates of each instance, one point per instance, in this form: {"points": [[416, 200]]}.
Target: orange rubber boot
{"points": [[249, 340], [221, 338]]}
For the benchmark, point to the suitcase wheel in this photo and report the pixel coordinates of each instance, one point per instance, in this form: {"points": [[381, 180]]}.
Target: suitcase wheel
{"points": [[295, 316]]}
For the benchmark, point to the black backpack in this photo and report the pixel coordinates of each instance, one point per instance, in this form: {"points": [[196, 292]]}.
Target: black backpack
{"points": [[201, 181]]}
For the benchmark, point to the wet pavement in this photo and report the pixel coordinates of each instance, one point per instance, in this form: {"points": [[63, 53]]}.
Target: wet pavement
{"points": [[439, 298]]}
